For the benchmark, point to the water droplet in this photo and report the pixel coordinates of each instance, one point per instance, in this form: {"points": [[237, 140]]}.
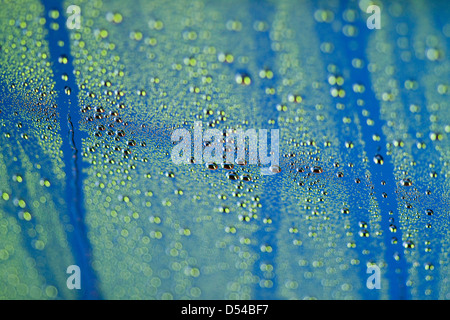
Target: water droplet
{"points": [[406, 182], [228, 166], [241, 162], [243, 79], [364, 233], [316, 169], [428, 266], [63, 59], [378, 159], [275, 169], [211, 166], [408, 244], [233, 176], [295, 98]]}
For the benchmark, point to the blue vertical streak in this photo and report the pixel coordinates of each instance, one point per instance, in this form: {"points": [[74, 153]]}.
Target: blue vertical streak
{"points": [[72, 141], [396, 270], [264, 56], [340, 59]]}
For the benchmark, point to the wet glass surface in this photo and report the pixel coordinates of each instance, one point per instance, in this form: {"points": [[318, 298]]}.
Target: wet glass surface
{"points": [[90, 98]]}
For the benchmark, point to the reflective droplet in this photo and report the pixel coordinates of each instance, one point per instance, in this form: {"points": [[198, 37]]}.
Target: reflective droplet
{"points": [[428, 266], [362, 224], [408, 244], [378, 159], [349, 144], [63, 59], [228, 166], [275, 168], [243, 79], [233, 176], [241, 162], [364, 233], [316, 169], [406, 182], [212, 166]]}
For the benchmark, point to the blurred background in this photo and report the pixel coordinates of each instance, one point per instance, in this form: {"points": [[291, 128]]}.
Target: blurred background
{"points": [[89, 98]]}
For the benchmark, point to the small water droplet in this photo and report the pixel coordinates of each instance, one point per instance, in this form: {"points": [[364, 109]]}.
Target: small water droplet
{"points": [[364, 233], [275, 169], [243, 79], [227, 166], [316, 169], [212, 166], [408, 244], [233, 176], [406, 182], [378, 159], [241, 162]]}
